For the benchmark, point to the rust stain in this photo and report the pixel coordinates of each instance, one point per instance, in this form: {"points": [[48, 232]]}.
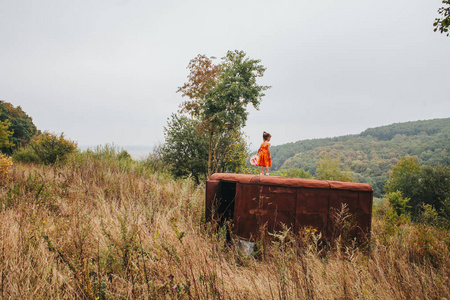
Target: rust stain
{"points": [[282, 190], [258, 212]]}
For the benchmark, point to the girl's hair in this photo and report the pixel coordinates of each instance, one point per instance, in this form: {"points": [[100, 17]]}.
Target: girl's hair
{"points": [[266, 135]]}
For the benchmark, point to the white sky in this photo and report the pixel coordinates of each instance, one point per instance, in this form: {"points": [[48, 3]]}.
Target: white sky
{"points": [[107, 71]]}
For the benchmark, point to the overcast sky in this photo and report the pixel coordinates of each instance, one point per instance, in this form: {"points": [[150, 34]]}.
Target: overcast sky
{"points": [[107, 71]]}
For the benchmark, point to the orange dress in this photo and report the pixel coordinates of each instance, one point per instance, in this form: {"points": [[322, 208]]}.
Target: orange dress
{"points": [[264, 156]]}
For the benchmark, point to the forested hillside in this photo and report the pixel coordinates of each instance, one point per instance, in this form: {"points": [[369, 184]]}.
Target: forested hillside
{"points": [[371, 154]]}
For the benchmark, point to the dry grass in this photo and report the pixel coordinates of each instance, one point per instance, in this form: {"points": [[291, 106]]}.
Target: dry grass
{"points": [[99, 229]]}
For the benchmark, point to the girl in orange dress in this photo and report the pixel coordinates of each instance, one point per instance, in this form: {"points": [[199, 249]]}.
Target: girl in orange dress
{"points": [[264, 157]]}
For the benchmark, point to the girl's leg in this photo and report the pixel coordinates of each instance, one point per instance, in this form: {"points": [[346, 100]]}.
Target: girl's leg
{"points": [[262, 170], [267, 170]]}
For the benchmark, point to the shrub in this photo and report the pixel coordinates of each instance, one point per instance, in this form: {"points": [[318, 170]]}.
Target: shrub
{"points": [[26, 155], [51, 148], [5, 164], [429, 215], [398, 202]]}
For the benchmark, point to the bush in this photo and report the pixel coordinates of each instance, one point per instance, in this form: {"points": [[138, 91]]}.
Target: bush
{"points": [[398, 202], [5, 164], [427, 185], [51, 148], [26, 155], [429, 215]]}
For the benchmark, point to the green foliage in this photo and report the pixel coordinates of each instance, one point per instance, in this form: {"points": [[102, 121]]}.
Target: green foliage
{"points": [[155, 162], [435, 185], [25, 155], [409, 129], [5, 134], [21, 126], [185, 148], [225, 106], [294, 173], [51, 148], [443, 23], [405, 177], [235, 153], [372, 154], [329, 168], [218, 99], [398, 202], [445, 213], [428, 189], [429, 215], [392, 220]]}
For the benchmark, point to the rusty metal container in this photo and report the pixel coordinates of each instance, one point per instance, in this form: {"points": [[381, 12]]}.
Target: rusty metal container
{"points": [[252, 201]]}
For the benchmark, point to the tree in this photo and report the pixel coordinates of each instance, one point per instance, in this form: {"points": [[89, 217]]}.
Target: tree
{"points": [[21, 126], [295, 173], [5, 134], [434, 186], [185, 148], [405, 178], [443, 23], [219, 96], [203, 77], [427, 186], [231, 154]]}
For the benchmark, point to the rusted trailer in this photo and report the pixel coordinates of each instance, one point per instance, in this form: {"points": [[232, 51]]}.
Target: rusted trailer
{"points": [[253, 201]]}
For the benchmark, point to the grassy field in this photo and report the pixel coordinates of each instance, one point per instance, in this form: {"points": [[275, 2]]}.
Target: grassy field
{"points": [[98, 227]]}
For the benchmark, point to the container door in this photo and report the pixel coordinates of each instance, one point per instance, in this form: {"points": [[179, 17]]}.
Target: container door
{"points": [[212, 199], [245, 219], [312, 209], [277, 206]]}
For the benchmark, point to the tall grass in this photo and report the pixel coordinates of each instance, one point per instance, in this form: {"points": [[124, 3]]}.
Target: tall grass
{"points": [[104, 227]]}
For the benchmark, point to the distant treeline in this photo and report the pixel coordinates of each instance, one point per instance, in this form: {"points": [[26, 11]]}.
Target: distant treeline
{"points": [[371, 154]]}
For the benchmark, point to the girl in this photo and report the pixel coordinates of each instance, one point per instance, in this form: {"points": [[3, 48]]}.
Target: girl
{"points": [[264, 157]]}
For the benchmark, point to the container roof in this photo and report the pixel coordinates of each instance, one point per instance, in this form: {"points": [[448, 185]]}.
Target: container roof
{"points": [[291, 182]]}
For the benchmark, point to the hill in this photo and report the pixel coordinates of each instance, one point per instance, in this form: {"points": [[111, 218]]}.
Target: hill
{"points": [[371, 154]]}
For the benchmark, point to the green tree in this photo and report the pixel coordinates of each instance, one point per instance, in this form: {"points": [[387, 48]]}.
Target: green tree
{"points": [[405, 178], [219, 96], [5, 134], [294, 173], [21, 126], [398, 202], [329, 168], [231, 154], [426, 187], [185, 148], [434, 186], [443, 22]]}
